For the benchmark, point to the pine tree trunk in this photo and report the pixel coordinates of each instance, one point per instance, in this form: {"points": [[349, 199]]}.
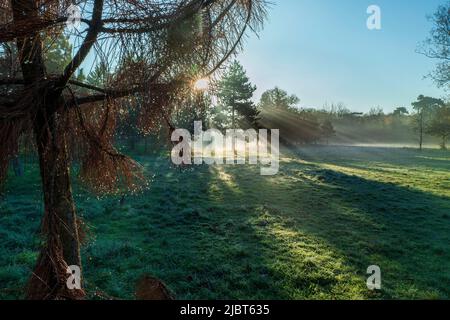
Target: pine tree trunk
{"points": [[59, 225], [421, 131], [233, 119]]}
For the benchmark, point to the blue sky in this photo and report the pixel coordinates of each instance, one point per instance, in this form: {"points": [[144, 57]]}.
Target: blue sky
{"points": [[322, 51]]}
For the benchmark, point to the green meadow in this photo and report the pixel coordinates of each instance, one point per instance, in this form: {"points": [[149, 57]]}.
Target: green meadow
{"points": [[226, 232]]}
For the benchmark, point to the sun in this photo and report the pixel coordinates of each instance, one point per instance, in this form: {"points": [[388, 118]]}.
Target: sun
{"points": [[201, 84]]}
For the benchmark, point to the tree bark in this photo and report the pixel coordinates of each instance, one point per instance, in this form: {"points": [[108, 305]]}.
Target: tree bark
{"points": [[54, 166], [59, 225], [421, 131]]}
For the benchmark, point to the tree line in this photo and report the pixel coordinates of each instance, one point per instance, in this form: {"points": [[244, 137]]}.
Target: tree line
{"points": [[230, 103]]}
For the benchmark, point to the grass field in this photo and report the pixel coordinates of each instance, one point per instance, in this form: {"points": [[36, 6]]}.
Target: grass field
{"points": [[309, 232]]}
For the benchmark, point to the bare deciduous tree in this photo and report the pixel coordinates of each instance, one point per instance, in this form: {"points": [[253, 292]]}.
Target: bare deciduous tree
{"points": [[437, 46]]}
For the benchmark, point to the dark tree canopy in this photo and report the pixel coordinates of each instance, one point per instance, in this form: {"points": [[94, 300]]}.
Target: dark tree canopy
{"points": [[297, 126], [426, 104], [400, 111], [235, 92], [424, 107], [439, 125], [278, 99]]}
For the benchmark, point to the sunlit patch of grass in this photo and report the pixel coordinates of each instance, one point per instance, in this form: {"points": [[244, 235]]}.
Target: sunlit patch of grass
{"points": [[225, 178], [315, 269]]}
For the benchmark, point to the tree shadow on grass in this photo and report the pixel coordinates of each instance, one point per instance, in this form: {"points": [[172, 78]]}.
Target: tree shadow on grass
{"points": [[412, 226], [404, 231], [190, 229], [308, 233], [229, 233], [182, 230]]}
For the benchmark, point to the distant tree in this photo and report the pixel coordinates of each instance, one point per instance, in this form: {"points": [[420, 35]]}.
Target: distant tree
{"points": [[57, 53], [297, 126], [277, 99], [8, 54], [376, 114], [327, 130], [424, 107], [235, 92], [99, 75], [400, 111], [80, 76], [277, 111], [437, 46], [337, 110], [439, 125], [307, 127]]}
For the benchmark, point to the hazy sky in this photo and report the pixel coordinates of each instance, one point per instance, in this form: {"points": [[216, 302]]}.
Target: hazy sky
{"points": [[322, 51]]}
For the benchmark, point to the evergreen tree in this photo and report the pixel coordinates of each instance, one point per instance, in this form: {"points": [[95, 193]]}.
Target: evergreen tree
{"points": [[235, 92], [99, 75], [58, 53], [440, 124], [297, 126], [424, 107], [400, 111], [278, 99]]}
